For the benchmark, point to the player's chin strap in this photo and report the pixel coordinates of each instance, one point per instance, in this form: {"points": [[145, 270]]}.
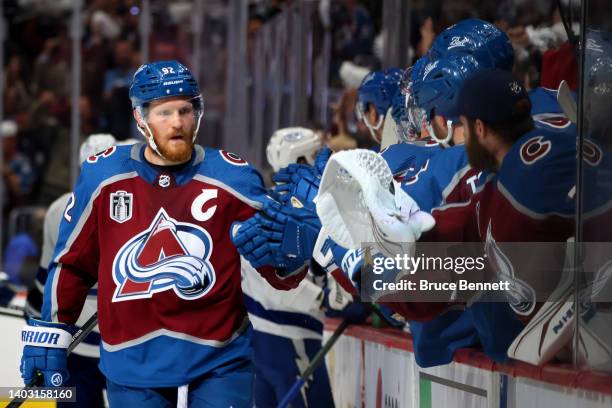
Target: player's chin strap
{"points": [[147, 133], [449, 132], [374, 128]]}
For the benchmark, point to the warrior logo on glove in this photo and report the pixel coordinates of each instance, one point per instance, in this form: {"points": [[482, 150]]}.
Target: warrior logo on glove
{"points": [[168, 255]]}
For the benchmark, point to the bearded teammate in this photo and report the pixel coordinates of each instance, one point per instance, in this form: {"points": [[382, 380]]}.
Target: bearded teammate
{"points": [[151, 224], [529, 175]]}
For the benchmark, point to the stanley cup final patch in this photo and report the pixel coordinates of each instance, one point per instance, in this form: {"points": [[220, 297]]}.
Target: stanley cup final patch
{"points": [[121, 206]]}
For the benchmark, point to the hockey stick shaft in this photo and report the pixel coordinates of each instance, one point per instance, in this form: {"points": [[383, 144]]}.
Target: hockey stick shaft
{"points": [[299, 383], [78, 337], [297, 386]]}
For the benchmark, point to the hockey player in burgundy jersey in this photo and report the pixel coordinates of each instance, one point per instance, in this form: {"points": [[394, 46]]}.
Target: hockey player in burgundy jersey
{"points": [[530, 174], [152, 224]]}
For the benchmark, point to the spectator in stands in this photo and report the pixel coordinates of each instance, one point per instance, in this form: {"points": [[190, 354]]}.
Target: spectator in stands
{"points": [[17, 171], [51, 68], [121, 75], [17, 98], [56, 179]]}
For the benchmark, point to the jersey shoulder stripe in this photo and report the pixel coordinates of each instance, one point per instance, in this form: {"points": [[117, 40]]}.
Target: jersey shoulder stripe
{"points": [[234, 174], [539, 172]]}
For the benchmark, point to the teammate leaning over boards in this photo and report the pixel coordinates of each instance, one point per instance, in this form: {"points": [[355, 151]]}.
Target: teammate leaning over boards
{"points": [[448, 178], [529, 172], [152, 224]]}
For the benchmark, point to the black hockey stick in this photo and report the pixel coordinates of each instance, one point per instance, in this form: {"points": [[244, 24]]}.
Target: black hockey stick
{"points": [[318, 358], [78, 337], [567, 25]]}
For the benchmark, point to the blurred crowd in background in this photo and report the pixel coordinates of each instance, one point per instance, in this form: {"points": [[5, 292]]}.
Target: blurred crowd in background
{"points": [[38, 78]]}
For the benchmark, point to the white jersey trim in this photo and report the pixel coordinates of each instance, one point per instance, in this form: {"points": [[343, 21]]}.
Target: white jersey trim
{"points": [[282, 330], [522, 209], [453, 183], [176, 335]]}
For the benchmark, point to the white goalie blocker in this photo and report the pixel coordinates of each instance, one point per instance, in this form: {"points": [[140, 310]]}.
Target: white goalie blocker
{"points": [[360, 204]]}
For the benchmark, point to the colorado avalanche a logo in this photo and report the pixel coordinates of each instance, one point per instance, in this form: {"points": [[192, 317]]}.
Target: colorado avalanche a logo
{"points": [[168, 255]]}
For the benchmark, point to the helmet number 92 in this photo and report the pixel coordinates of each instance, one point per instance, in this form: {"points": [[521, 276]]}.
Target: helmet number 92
{"points": [[168, 70]]}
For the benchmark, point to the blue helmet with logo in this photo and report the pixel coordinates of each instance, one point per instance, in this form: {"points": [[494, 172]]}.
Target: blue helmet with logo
{"points": [[378, 89], [437, 89], [482, 40], [162, 79]]}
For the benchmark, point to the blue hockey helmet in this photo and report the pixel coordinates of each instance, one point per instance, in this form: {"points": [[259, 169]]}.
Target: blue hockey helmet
{"points": [[162, 79], [482, 40], [377, 88], [437, 89]]}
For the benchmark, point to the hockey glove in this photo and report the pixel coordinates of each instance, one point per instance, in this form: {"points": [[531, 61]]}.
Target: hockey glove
{"points": [[339, 303], [390, 317], [321, 160], [293, 173], [260, 250], [45, 350], [298, 185], [322, 252], [296, 229]]}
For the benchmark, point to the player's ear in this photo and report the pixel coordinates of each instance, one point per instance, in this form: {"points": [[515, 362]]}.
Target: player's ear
{"points": [[480, 129]]}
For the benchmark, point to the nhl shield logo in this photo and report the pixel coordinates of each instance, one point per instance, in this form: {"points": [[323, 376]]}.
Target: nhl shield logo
{"points": [[121, 206], [164, 180]]}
